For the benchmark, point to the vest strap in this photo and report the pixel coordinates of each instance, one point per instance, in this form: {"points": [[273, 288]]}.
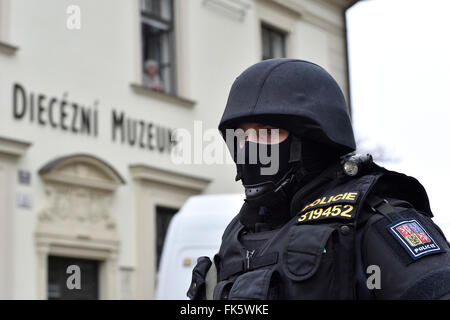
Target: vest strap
{"points": [[263, 261], [232, 268], [380, 205]]}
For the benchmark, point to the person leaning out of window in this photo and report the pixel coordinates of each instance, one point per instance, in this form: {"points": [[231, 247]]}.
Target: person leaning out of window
{"points": [[151, 78]]}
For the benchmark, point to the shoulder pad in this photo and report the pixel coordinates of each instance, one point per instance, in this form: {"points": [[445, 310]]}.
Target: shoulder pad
{"points": [[400, 186]]}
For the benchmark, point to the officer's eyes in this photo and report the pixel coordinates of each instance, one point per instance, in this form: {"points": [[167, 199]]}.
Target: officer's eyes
{"points": [[267, 132], [261, 135]]}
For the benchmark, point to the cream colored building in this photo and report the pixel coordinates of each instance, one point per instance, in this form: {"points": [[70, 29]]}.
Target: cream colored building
{"points": [[85, 167]]}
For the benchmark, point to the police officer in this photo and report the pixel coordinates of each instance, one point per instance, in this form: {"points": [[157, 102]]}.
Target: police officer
{"points": [[328, 224]]}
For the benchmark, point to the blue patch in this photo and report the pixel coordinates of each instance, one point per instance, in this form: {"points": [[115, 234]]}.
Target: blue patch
{"points": [[414, 238]]}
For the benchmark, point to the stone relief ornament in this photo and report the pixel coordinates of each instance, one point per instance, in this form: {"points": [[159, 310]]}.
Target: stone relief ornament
{"points": [[76, 205], [78, 198]]}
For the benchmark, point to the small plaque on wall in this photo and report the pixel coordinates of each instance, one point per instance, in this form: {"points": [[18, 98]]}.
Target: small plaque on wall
{"points": [[24, 177], [24, 200]]}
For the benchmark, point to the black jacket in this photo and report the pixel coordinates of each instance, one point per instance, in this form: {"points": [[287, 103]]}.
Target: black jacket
{"points": [[364, 237]]}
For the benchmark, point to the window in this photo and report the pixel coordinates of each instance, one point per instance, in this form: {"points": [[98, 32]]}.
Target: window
{"points": [[273, 43], [5, 27], [158, 72], [163, 217]]}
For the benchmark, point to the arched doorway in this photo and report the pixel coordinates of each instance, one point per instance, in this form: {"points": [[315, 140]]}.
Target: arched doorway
{"points": [[75, 227]]}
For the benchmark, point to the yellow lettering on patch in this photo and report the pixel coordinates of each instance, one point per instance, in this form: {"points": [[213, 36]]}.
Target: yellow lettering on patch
{"points": [[351, 195]]}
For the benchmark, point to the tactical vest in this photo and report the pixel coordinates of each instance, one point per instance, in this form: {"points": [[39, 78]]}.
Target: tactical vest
{"points": [[310, 257]]}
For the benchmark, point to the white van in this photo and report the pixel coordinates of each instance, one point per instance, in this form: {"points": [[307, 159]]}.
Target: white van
{"points": [[196, 230]]}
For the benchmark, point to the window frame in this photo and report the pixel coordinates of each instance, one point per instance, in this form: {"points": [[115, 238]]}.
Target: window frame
{"points": [[272, 30], [171, 30], [161, 213], [5, 28]]}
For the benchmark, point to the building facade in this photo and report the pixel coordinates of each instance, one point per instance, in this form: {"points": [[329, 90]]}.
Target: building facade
{"points": [[91, 93]]}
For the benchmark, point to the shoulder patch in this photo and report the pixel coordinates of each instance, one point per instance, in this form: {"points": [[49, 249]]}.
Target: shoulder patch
{"points": [[413, 238]]}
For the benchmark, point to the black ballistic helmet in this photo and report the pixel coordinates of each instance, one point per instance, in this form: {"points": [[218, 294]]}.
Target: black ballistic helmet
{"points": [[295, 95]]}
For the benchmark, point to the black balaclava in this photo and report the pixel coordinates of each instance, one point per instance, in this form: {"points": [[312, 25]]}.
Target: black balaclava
{"points": [[251, 172], [269, 196]]}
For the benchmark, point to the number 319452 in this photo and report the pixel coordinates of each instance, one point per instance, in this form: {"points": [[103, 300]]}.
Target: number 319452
{"points": [[337, 210]]}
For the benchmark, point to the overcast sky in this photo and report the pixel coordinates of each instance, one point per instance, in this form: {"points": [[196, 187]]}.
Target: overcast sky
{"points": [[399, 53]]}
